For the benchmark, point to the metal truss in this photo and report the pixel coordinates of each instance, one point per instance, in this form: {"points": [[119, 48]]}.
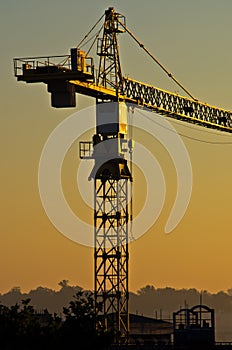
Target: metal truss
{"points": [[110, 74], [176, 106], [111, 254]]}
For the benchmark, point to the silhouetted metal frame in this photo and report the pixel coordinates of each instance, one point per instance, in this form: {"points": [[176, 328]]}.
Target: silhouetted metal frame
{"points": [[111, 215], [110, 73]]}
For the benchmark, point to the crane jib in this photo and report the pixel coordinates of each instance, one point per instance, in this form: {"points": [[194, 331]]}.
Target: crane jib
{"points": [[178, 107]]}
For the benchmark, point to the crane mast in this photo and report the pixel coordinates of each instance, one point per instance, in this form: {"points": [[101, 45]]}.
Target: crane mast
{"points": [[111, 211], [74, 73]]}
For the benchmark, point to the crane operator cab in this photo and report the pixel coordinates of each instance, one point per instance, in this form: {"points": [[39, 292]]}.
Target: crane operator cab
{"points": [[110, 143]]}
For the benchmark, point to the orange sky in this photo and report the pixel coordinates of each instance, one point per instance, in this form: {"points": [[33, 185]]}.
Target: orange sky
{"points": [[198, 252]]}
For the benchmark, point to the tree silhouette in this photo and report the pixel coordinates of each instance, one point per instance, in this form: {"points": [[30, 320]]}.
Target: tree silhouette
{"points": [[80, 324], [63, 283], [22, 327]]}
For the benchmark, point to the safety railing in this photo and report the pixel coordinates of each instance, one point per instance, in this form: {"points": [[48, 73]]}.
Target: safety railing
{"points": [[86, 150], [21, 64], [49, 63]]}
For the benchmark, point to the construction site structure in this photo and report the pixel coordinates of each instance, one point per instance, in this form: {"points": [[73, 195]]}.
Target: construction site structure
{"points": [[194, 326], [75, 73]]}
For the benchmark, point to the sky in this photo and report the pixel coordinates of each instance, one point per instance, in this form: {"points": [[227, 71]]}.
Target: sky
{"points": [[193, 40]]}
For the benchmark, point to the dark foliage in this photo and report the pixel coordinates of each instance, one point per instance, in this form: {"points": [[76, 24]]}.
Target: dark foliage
{"points": [[80, 323], [21, 327], [148, 301]]}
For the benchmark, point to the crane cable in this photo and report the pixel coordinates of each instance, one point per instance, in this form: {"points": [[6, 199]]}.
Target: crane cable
{"points": [[183, 135], [96, 37], [130, 134], [86, 36], [155, 59], [93, 36]]}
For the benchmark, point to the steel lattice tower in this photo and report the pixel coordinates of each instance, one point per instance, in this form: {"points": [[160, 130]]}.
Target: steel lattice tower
{"points": [[111, 252], [111, 216]]}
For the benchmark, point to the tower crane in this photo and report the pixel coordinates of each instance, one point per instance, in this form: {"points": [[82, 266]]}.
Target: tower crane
{"points": [[112, 214]]}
